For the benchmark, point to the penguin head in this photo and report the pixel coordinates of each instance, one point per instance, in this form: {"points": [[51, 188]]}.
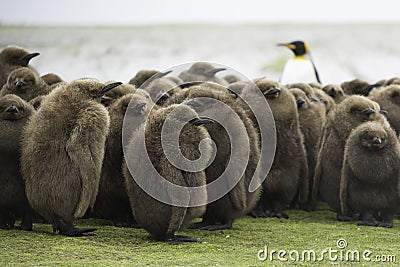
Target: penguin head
{"points": [[13, 108], [16, 56], [137, 104], [307, 89], [91, 88], [372, 136], [299, 48], [355, 110], [21, 80], [301, 98], [334, 91], [204, 69], [393, 93], [111, 96]]}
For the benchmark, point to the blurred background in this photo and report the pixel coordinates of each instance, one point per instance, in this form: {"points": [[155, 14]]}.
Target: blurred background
{"points": [[112, 40]]}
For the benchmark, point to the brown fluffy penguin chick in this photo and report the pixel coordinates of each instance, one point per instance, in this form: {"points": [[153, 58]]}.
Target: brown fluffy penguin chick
{"points": [[112, 202], [51, 78], [203, 71], [11, 58], [357, 87], [335, 92], [311, 128], [325, 99], [315, 102], [232, 78], [62, 153], [288, 176], [346, 116], [14, 113], [370, 179], [25, 83], [239, 201], [389, 100], [141, 76], [111, 96], [160, 219], [161, 89], [37, 101], [221, 213]]}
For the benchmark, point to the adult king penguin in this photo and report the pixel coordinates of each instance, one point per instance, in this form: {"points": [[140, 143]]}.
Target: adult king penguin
{"points": [[301, 68]]}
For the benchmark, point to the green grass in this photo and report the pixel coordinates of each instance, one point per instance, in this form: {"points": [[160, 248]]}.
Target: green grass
{"points": [[112, 246]]}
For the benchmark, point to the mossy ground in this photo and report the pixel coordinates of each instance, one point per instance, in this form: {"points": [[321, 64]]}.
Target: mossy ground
{"points": [[112, 246]]}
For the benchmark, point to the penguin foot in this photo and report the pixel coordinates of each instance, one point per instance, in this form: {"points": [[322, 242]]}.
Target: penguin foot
{"points": [[367, 219], [279, 214], [177, 239], [344, 217], [215, 227], [385, 224], [258, 213], [197, 225], [386, 220], [307, 206], [78, 232]]}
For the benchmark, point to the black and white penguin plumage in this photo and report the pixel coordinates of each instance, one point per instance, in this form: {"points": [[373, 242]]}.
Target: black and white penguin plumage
{"points": [[301, 67]]}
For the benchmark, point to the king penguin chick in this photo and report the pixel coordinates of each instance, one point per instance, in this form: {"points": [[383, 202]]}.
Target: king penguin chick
{"points": [[346, 116], [221, 213], [203, 71], [335, 91], [311, 127], [51, 78], [62, 153], [301, 68], [111, 96], [325, 99], [357, 87], [25, 83], [389, 100], [11, 58], [159, 219], [14, 113], [141, 76], [288, 176], [370, 176], [112, 202]]}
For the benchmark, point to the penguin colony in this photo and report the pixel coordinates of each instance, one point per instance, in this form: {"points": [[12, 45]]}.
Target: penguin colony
{"points": [[61, 147]]}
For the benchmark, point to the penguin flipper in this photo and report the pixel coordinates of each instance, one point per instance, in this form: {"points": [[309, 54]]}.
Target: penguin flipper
{"points": [[84, 148]]}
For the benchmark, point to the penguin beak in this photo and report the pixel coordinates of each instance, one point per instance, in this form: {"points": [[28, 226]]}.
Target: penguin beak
{"points": [[384, 112], [19, 84], [377, 141], [188, 84], [273, 92], [202, 121], [214, 71], [368, 112], [300, 102], [370, 87], [162, 96], [163, 74], [109, 87], [139, 107], [12, 109], [28, 57], [193, 103], [290, 46], [331, 93]]}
